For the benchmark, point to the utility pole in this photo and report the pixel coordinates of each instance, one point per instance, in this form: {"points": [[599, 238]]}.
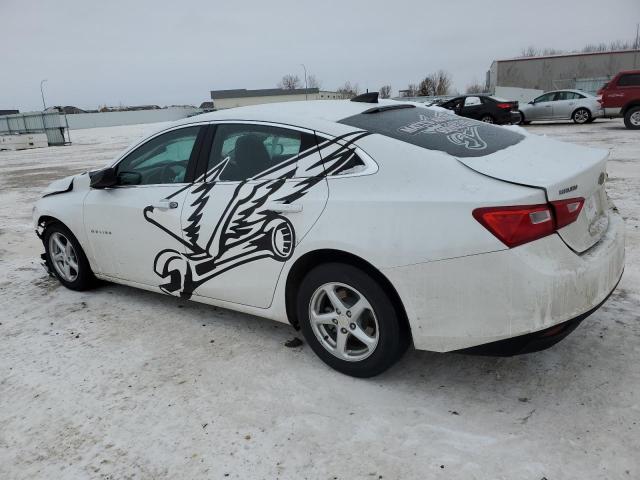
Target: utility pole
{"points": [[44, 105], [306, 96]]}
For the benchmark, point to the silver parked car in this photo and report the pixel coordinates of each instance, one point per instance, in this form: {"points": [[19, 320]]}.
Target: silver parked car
{"points": [[573, 105]]}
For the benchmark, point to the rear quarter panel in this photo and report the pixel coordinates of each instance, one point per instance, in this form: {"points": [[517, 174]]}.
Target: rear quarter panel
{"points": [[416, 208]]}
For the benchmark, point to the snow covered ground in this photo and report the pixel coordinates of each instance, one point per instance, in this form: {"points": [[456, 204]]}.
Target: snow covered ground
{"points": [[120, 383]]}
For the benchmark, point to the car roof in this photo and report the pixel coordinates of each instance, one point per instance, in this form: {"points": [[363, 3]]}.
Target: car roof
{"points": [[567, 90], [300, 113]]}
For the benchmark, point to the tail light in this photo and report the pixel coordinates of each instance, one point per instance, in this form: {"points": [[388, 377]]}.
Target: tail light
{"points": [[505, 106], [567, 211], [517, 225]]}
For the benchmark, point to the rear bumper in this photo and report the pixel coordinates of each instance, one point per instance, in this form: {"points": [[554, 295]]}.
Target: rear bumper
{"points": [[613, 112], [536, 341], [479, 299]]}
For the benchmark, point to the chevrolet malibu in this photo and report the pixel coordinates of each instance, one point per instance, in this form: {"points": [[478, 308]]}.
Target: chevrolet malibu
{"points": [[369, 225]]}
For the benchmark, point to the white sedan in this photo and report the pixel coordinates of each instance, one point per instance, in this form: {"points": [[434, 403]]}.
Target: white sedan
{"points": [[368, 225]]}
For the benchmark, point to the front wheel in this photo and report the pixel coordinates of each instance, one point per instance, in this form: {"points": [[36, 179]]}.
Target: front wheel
{"points": [[581, 115], [632, 118], [349, 321], [66, 259]]}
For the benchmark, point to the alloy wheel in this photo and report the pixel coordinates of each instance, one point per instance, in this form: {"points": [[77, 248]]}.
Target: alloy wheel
{"points": [[581, 116], [635, 119], [63, 257], [343, 321]]}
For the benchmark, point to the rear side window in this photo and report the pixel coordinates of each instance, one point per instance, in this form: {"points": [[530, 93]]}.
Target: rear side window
{"points": [[629, 80], [251, 150], [437, 130]]}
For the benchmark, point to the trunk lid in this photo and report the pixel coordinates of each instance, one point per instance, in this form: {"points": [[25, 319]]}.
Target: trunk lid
{"points": [[564, 171]]}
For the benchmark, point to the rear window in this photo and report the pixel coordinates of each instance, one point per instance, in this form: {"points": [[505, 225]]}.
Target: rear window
{"points": [[437, 130], [630, 79]]}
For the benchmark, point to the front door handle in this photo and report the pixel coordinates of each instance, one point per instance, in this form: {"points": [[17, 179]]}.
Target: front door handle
{"points": [[165, 204], [284, 207]]}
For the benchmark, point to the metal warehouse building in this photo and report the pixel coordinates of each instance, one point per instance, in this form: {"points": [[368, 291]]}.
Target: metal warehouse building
{"points": [[583, 71]]}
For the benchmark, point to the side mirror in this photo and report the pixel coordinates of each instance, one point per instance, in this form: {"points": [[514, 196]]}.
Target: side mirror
{"points": [[104, 178], [531, 102]]}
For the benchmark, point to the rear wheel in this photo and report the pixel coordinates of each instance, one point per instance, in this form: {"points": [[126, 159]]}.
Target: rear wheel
{"points": [[349, 321], [632, 118], [581, 115], [66, 259], [522, 119], [487, 119]]}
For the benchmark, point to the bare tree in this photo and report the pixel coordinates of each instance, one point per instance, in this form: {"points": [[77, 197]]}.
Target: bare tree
{"points": [[476, 87], [385, 91], [348, 90], [289, 82], [530, 51], [313, 81], [410, 91], [443, 82], [427, 87]]}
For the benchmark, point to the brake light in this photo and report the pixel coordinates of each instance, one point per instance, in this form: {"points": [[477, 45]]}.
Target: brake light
{"points": [[567, 211], [505, 106], [518, 225]]}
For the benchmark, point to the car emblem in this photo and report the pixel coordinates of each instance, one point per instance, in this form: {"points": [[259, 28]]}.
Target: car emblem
{"points": [[601, 178]]}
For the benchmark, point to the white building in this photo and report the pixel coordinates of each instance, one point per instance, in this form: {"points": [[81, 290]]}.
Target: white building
{"points": [[242, 97]]}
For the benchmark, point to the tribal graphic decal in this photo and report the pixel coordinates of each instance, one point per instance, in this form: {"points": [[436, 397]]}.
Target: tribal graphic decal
{"points": [[459, 131], [249, 228]]}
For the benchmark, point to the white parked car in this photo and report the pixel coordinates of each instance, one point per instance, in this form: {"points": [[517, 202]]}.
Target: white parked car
{"points": [[366, 225], [575, 105]]}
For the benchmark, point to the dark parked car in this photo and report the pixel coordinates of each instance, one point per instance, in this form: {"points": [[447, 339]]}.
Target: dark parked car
{"points": [[485, 108]]}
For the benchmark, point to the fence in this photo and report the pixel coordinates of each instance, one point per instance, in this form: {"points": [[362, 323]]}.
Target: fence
{"points": [[51, 123]]}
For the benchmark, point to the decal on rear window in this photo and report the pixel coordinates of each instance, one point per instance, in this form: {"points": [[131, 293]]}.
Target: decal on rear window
{"points": [[437, 130]]}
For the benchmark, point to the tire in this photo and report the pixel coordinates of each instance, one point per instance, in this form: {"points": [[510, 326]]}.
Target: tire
{"points": [[79, 277], [386, 334], [591, 120], [522, 119], [581, 116], [487, 119], [632, 118]]}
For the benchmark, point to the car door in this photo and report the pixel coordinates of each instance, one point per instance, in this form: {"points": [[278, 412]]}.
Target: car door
{"points": [[542, 107], [261, 190], [563, 105], [473, 108], [129, 224], [455, 105]]}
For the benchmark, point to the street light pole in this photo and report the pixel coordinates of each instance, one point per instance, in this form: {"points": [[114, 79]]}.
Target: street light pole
{"points": [[44, 105], [306, 97]]}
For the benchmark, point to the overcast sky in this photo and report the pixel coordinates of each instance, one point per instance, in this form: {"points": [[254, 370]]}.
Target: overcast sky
{"points": [[174, 52]]}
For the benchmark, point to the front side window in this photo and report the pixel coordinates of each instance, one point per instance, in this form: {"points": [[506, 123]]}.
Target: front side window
{"points": [[161, 160], [250, 150], [547, 97]]}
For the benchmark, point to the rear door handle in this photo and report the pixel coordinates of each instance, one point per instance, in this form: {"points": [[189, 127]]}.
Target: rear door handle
{"points": [[165, 204], [284, 207]]}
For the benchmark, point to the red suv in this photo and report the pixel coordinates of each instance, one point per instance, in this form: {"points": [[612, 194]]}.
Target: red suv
{"points": [[621, 98]]}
